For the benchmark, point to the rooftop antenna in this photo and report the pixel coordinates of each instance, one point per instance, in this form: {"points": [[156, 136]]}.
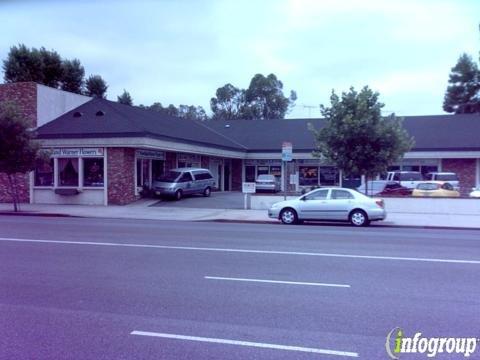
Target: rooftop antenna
{"points": [[309, 107]]}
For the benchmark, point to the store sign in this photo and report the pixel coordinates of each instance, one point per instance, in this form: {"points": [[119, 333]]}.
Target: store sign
{"points": [[253, 162], [77, 152], [287, 151], [188, 157], [150, 154], [248, 187]]}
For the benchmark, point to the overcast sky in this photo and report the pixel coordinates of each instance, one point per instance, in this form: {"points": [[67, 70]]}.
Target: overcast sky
{"points": [[180, 52]]}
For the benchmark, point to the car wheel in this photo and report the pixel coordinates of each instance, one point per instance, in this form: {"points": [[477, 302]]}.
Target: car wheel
{"points": [[178, 195], [359, 218], [289, 216], [207, 192]]}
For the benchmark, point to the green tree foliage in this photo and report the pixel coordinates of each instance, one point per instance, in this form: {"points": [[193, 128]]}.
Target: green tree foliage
{"points": [[264, 99], [96, 87], [51, 67], [356, 138], [18, 151], [23, 64], [463, 92], [125, 98], [229, 103], [73, 76], [183, 111]]}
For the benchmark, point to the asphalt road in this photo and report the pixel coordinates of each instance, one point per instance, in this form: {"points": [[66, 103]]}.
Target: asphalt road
{"points": [[73, 288]]}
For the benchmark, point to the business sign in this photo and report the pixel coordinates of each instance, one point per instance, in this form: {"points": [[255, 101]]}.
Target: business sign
{"points": [[78, 152], [150, 154], [287, 151], [248, 187]]}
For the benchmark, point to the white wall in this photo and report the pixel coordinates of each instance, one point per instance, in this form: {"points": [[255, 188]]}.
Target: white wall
{"points": [[51, 103], [86, 197]]}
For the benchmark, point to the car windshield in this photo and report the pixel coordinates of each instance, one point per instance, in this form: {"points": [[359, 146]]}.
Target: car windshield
{"points": [[170, 176], [265, 178], [447, 177], [428, 186]]}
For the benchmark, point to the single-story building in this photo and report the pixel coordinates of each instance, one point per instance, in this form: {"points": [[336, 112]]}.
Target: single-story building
{"points": [[103, 152]]}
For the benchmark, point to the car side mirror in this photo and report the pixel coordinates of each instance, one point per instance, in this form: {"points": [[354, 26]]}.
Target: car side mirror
{"points": [[304, 198]]}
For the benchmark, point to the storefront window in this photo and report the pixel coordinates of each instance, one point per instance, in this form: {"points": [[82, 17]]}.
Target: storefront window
{"points": [[308, 175], [68, 172], [262, 170], [139, 172], [44, 173], [250, 173], [329, 176], [93, 172], [276, 171], [157, 169]]}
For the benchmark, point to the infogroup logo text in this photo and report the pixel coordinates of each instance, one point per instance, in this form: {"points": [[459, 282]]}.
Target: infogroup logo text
{"points": [[397, 343]]}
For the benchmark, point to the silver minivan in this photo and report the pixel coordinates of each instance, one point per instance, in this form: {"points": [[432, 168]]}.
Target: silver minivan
{"points": [[184, 181]]}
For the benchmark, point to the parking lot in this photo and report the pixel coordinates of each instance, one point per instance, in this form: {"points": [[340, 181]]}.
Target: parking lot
{"points": [[217, 200]]}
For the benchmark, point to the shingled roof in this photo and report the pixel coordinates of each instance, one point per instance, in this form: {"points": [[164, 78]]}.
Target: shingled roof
{"points": [[431, 133], [101, 118]]}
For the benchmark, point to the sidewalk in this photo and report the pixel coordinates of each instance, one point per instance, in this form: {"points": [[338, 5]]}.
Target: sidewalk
{"points": [[142, 210]]}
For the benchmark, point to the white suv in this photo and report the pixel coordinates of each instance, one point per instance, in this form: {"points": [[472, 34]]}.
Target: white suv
{"points": [[408, 179], [449, 177]]}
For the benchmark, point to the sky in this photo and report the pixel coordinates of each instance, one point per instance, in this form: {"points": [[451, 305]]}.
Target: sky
{"points": [[180, 52]]}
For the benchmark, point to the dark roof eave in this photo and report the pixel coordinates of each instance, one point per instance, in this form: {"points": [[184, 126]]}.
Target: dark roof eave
{"points": [[131, 135]]}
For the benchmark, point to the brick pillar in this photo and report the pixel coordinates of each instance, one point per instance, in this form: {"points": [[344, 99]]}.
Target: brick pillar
{"points": [[23, 188], [236, 175], [170, 160], [121, 176], [24, 95], [465, 169]]}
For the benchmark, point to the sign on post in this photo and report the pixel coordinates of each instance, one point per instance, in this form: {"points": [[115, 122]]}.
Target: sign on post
{"points": [[248, 188], [286, 151]]}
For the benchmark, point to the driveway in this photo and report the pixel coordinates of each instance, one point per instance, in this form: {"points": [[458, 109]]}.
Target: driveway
{"points": [[218, 200]]}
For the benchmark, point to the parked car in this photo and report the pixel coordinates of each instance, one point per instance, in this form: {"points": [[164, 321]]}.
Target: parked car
{"points": [[435, 189], [267, 182], [330, 204], [384, 188], [450, 177], [408, 179], [184, 181], [475, 193]]}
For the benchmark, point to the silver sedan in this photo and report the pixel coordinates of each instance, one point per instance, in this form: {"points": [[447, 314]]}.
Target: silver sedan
{"points": [[330, 204]]}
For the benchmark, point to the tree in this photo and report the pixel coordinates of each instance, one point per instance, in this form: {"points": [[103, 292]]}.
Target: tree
{"points": [[463, 92], [192, 112], [229, 103], [356, 138], [265, 99], [51, 67], [23, 64], [96, 86], [18, 152], [125, 98], [73, 75]]}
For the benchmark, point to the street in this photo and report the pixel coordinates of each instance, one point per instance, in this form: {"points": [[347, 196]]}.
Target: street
{"points": [[80, 288]]}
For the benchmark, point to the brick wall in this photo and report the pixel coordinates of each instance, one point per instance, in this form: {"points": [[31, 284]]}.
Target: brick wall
{"points": [[23, 188], [236, 174], [465, 169], [24, 94], [170, 160], [121, 176]]}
